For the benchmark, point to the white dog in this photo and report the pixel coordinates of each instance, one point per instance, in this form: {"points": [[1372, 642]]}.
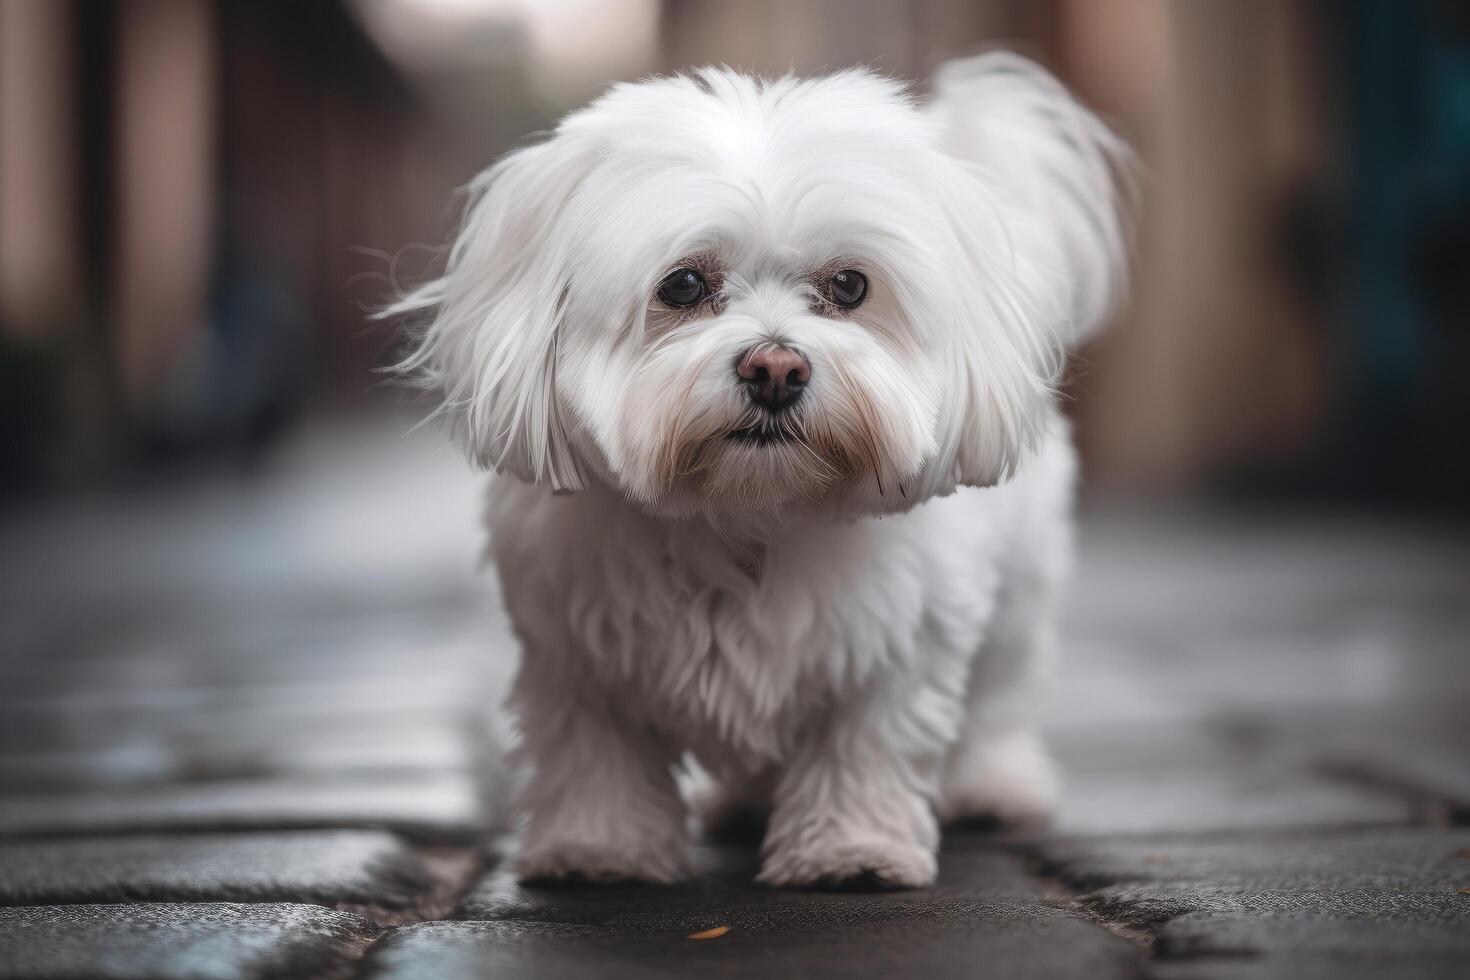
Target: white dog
{"points": [[746, 346]]}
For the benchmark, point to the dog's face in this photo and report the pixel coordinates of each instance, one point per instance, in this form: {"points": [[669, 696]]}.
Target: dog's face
{"points": [[719, 294], [765, 304]]}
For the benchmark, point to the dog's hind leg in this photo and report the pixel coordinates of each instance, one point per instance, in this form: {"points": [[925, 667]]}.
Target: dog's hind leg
{"points": [[999, 767]]}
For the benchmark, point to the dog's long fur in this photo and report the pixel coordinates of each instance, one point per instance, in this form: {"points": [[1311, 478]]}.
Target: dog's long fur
{"points": [[840, 627]]}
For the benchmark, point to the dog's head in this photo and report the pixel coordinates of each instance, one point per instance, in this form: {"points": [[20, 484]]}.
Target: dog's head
{"points": [[723, 294]]}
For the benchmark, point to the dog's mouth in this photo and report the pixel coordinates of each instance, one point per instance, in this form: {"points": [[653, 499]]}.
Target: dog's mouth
{"points": [[764, 432]]}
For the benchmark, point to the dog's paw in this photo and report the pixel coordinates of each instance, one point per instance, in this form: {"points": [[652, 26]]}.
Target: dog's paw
{"points": [[860, 863], [569, 862], [1008, 777]]}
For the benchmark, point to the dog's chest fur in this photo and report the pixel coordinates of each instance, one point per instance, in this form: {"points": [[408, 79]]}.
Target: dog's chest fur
{"points": [[731, 647]]}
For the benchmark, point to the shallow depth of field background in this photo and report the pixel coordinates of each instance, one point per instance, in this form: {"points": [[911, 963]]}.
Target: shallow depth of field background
{"points": [[198, 201], [247, 657]]}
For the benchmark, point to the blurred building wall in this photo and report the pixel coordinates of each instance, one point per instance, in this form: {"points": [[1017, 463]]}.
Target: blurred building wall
{"points": [[1217, 358], [38, 234], [182, 183], [199, 200], [165, 189]]}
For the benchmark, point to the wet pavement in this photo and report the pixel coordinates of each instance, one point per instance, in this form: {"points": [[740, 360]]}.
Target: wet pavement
{"points": [[244, 732]]}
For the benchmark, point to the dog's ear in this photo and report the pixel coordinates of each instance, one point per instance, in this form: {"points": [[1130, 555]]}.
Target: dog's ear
{"points": [[487, 335], [1034, 200], [1055, 166]]}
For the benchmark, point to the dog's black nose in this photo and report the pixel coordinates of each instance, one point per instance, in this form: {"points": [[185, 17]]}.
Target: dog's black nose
{"points": [[774, 375]]}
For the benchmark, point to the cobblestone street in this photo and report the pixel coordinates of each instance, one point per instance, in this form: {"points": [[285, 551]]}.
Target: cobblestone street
{"points": [[243, 733]]}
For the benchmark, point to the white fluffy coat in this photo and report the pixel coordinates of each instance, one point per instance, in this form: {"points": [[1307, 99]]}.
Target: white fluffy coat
{"points": [[840, 625]]}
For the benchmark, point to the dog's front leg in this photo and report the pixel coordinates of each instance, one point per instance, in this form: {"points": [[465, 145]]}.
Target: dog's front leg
{"points": [[600, 801], [855, 804]]}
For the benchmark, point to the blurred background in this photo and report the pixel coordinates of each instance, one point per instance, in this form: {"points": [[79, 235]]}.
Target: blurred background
{"points": [[198, 201], [245, 653]]}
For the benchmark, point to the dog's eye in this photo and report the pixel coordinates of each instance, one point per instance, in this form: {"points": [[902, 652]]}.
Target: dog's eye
{"points": [[848, 288], [683, 287]]}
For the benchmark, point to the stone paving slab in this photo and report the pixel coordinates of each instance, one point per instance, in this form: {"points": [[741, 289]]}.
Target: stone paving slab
{"points": [[1340, 935], [974, 870], [988, 915], [1168, 906], [1274, 609], [217, 941], [1412, 746], [273, 744], [363, 869], [1366, 903], [223, 716], [430, 806], [160, 660], [1340, 922], [1251, 668], [1417, 859], [1145, 881], [1195, 569], [323, 644], [907, 940], [386, 751], [1205, 797], [352, 661], [1431, 966], [1107, 746]]}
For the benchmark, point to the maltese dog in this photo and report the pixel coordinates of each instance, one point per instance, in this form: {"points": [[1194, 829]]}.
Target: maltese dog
{"points": [[769, 368]]}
